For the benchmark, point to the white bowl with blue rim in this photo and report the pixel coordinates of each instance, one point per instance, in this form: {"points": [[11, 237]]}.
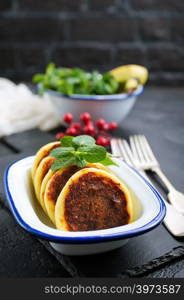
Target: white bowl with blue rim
{"points": [[149, 211], [109, 107]]}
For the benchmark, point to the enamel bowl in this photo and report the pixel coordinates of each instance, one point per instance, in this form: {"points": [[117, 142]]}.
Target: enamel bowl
{"points": [[109, 107], [149, 211]]}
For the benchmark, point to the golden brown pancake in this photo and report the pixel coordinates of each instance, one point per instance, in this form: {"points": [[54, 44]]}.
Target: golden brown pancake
{"points": [[93, 199], [53, 184], [45, 180], [43, 152], [41, 171]]}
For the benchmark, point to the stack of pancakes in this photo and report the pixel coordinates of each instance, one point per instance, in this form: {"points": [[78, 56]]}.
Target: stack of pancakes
{"points": [[80, 199]]}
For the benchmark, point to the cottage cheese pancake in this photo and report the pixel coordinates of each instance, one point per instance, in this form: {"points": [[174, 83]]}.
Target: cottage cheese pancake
{"points": [[93, 199]]}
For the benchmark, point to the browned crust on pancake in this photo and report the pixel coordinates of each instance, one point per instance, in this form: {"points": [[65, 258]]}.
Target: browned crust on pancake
{"points": [[95, 202], [55, 185], [58, 181], [93, 199], [47, 151]]}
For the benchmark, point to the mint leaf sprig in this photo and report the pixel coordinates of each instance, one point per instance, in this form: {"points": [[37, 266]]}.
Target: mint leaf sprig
{"points": [[79, 151], [75, 81]]}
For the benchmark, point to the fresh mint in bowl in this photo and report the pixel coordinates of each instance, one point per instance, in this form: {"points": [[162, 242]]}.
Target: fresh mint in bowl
{"points": [[76, 81], [75, 90]]}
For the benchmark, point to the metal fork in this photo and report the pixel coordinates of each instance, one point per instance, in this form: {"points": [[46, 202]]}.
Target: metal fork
{"points": [[174, 221], [146, 160]]}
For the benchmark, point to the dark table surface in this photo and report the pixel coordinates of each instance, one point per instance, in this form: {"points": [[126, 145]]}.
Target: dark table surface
{"points": [[159, 114]]}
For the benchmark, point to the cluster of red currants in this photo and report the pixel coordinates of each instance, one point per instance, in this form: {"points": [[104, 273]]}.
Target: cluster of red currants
{"points": [[99, 130]]}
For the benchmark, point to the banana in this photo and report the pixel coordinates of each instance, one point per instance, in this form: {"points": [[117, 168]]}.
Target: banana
{"points": [[126, 72], [130, 85]]}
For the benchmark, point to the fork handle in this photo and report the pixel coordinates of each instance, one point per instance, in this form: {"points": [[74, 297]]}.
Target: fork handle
{"points": [[172, 214], [162, 176], [175, 197]]}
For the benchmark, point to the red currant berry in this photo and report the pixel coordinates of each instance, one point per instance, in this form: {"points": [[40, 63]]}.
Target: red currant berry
{"points": [[68, 118], [60, 135], [100, 124], [85, 117], [102, 141], [89, 129], [71, 131], [90, 122], [106, 127], [76, 125], [112, 125]]}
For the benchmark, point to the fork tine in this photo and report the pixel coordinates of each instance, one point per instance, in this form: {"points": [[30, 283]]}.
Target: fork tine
{"points": [[122, 148], [142, 148], [135, 146], [125, 149], [141, 151], [114, 146], [148, 150], [129, 157], [126, 146]]}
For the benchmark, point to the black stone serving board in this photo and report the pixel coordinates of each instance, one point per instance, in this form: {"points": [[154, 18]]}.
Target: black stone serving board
{"points": [[159, 114]]}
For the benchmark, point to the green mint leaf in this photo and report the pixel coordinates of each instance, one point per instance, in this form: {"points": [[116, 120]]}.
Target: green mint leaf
{"points": [[93, 153], [61, 151], [83, 140], [50, 67], [37, 78], [84, 150], [66, 141], [80, 162], [63, 162], [108, 161], [76, 81]]}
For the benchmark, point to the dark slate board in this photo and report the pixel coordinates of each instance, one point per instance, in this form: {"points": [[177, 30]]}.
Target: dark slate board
{"points": [[158, 115], [136, 252], [22, 255], [21, 145], [30, 141], [4, 150], [168, 265]]}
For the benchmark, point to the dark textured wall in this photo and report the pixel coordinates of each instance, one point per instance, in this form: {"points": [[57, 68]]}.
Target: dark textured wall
{"points": [[92, 34]]}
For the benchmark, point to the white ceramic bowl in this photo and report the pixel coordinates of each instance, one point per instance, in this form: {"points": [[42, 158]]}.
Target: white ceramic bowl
{"points": [[109, 107], [149, 211]]}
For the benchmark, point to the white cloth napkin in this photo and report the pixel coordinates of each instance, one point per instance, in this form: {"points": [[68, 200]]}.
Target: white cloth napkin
{"points": [[21, 110]]}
